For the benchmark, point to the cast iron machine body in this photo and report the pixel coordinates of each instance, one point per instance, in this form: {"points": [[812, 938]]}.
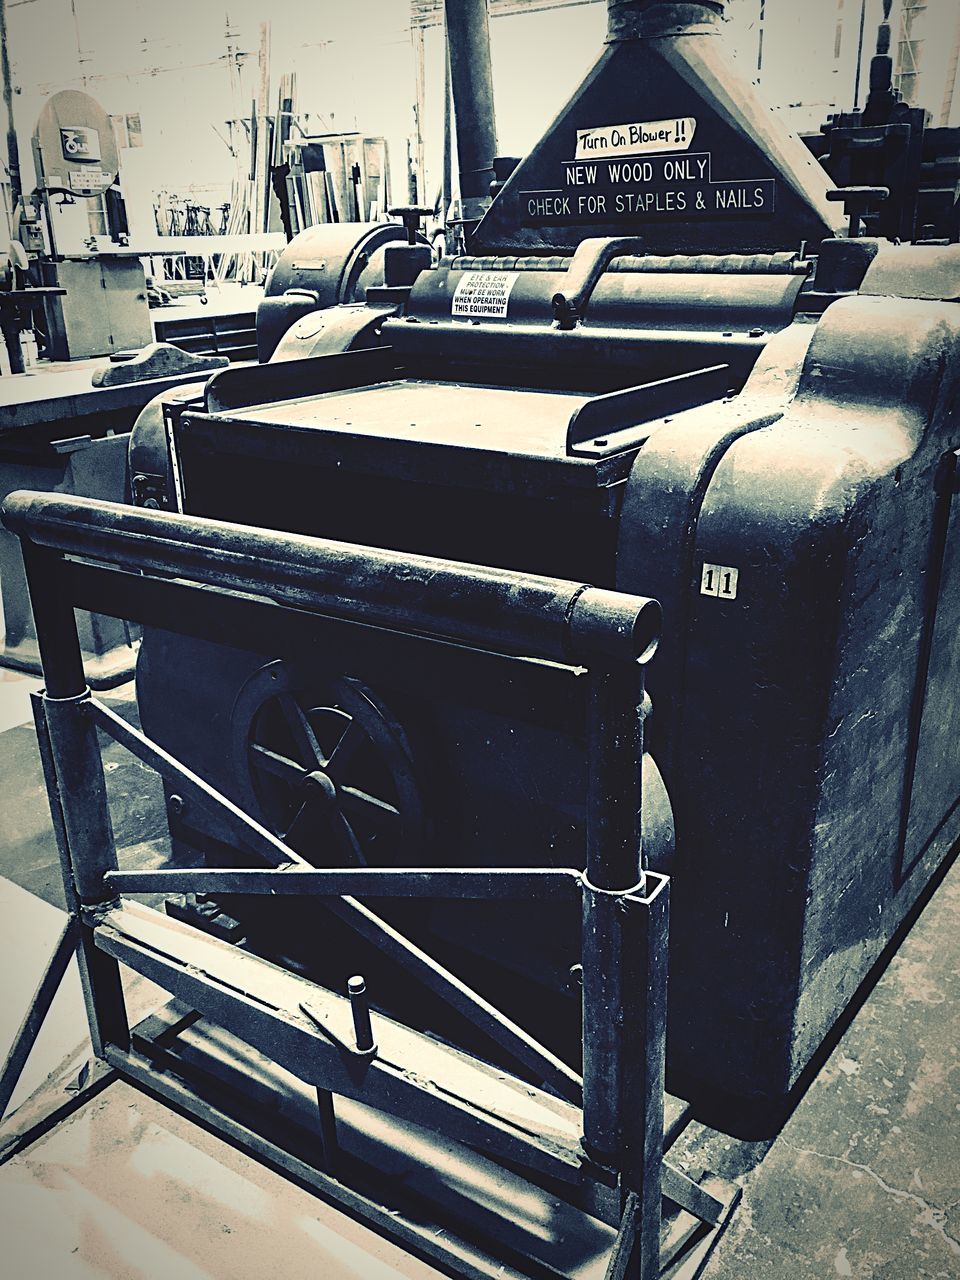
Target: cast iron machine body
{"points": [[733, 409], [661, 370]]}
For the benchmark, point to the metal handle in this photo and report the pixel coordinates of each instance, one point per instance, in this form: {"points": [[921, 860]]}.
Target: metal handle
{"points": [[590, 260], [857, 203], [493, 609]]}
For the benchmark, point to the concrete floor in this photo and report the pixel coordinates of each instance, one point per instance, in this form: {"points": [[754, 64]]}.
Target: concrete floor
{"points": [[864, 1181], [127, 1188]]}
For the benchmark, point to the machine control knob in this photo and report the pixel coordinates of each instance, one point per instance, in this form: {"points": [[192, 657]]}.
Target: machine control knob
{"points": [[410, 215]]}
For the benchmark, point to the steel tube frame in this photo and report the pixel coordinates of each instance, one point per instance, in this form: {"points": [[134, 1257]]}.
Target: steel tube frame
{"points": [[513, 613], [487, 883], [625, 909], [625, 931], [73, 772]]}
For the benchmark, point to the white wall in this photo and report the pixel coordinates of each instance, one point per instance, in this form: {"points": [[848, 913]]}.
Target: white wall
{"points": [[807, 72]]}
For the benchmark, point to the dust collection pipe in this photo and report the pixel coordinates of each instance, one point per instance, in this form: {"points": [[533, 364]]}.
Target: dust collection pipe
{"points": [[471, 82]]}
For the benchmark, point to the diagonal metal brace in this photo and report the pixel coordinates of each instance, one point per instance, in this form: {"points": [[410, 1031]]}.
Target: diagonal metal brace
{"points": [[433, 975], [621, 1254], [689, 1195], [42, 999]]}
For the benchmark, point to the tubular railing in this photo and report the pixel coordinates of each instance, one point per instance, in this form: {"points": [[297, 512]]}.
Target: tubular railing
{"points": [[126, 560]]}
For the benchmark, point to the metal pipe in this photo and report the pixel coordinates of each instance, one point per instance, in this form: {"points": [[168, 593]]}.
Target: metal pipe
{"points": [[99, 975], [55, 624], [446, 188], [494, 609], [614, 867], [618, 708], [642, 960], [74, 746], [13, 148], [859, 67], [83, 794], [471, 81], [624, 960], [360, 1008], [73, 771]]}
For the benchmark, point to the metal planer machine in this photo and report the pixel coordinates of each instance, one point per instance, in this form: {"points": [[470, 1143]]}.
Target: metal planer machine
{"points": [[660, 368]]}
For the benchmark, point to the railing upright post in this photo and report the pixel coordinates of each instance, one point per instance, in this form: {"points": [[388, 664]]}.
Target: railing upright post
{"points": [[624, 962], [73, 771]]}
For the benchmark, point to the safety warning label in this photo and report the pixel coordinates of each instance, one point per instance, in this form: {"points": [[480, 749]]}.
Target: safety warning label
{"points": [[483, 293], [641, 187], [636, 139]]}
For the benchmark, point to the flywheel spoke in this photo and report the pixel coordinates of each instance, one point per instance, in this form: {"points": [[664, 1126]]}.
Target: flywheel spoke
{"points": [[362, 802], [351, 740], [279, 765], [301, 823], [346, 837], [305, 740]]}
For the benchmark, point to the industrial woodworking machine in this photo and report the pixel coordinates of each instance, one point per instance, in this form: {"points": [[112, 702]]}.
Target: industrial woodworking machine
{"points": [[662, 367]]}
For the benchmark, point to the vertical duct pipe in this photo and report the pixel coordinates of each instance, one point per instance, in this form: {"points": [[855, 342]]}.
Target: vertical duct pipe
{"points": [[471, 83], [447, 182], [13, 150]]}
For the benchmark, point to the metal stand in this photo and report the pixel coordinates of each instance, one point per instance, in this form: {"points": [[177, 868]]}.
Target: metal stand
{"points": [[591, 1148]]}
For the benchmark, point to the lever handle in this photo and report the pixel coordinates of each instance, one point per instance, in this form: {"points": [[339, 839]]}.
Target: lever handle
{"points": [[590, 259], [360, 1008]]}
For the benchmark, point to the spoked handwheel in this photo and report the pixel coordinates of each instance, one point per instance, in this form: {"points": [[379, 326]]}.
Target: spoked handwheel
{"points": [[326, 767]]}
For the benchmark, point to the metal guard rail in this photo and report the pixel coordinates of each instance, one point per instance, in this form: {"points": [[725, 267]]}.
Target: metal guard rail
{"points": [[624, 909], [493, 608]]}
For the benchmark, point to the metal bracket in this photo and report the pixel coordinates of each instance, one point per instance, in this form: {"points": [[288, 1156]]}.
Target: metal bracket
{"points": [[320, 1021]]}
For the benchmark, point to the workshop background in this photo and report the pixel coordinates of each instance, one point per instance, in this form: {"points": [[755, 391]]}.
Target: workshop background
{"points": [[863, 1183], [188, 72]]}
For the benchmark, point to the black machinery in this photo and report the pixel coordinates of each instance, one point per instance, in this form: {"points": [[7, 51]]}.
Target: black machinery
{"points": [[659, 369], [906, 172], [100, 304]]}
